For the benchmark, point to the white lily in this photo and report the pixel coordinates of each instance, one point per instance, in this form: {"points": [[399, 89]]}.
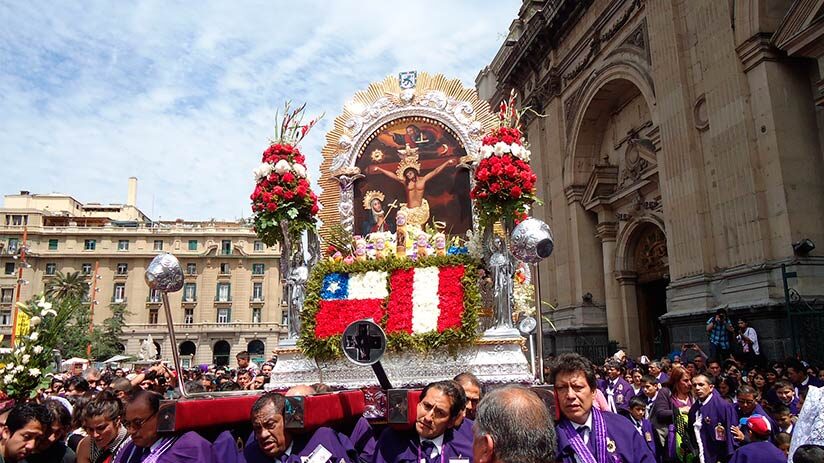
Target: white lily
{"points": [[25, 359], [34, 371], [38, 349], [34, 335], [43, 304], [35, 320]]}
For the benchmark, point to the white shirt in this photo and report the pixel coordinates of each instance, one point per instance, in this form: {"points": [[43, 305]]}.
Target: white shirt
{"points": [[438, 441], [588, 424], [753, 336], [697, 425]]}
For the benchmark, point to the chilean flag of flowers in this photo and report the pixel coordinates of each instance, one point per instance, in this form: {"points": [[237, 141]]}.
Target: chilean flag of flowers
{"points": [[420, 300]]}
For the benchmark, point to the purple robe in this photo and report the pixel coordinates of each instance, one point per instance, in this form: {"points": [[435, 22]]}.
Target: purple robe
{"points": [[403, 446], [647, 433], [630, 447], [304, 444], [189, 447], [662, 378], [716, 411], [226, 450], [622, 393], [363, 439], [759, 452]]}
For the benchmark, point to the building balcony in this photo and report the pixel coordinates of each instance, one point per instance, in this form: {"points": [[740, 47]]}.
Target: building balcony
{"points": [[120, 276], [153, 300], [223, 300], [205, 328], [189, 301], [256, 300], [118, 300]]}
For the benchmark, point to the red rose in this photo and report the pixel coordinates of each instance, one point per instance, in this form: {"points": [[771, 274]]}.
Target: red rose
{"points": [[315, 208], [288, 194], [482, 175], [516, 192], [278, 190], [288, 177], [495, 187], [301, 191], [271, 207]]}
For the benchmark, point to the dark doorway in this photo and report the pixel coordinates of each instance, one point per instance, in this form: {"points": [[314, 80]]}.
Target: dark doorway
{"points": [[187, 348], [220, 356], [652, 304]]}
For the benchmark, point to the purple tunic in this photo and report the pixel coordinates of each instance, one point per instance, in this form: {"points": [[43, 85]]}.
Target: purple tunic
{"points": [[621, 393], [363, 439], [226, 450], [759, 452], [304, 444], [630, 447], [403, 446], [716, 446], [646, 432], [189, 447]]}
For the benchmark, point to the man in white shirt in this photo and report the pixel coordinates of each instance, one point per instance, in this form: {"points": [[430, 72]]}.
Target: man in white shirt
{"points": [[748, 340]]}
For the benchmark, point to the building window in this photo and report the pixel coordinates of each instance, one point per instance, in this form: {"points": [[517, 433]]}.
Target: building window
{"points": [[191, 269], [9, 268], [224, 314], [226, 247], [17, 220], [52, 245], [13, 243], [119, 293], [122, 268], [189, 316], [193, 245], [283, 318], [6, 295], [51, 268], [257, 292], [153, 316], [224, 268], [256, 315], [5, 317], [224, 293], [123, 245], [86, 269], [154, 295], [259, 245], [190, 292], [158, 245], [90, 245], [257, 269]]}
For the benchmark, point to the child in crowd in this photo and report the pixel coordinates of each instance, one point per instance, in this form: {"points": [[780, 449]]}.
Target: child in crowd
{"points": [[637, 415], [649, 389], [783, 418], [785, 392], [782, 441], [760, 449]]}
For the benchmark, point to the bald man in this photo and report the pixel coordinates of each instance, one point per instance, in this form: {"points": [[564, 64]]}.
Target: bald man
{"points": [[513, 425]]}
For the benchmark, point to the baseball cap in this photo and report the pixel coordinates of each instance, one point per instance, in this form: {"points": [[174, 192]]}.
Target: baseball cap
{"points": [[758, 424]]}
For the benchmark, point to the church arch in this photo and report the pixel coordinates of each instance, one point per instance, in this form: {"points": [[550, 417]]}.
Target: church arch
{"points": [[220, 353], [187, 348]]}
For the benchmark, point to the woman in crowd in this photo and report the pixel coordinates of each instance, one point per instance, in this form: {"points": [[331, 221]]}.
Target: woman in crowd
{"points": [[635, 381], [106, 434], [671, 410], [727, 387]]}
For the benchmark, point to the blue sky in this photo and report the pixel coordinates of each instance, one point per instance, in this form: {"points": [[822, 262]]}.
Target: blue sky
{"points": [[182, 95]]}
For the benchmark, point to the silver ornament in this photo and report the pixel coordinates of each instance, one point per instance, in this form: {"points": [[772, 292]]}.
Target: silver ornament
{"points": [[531, 241], [164, 273]]}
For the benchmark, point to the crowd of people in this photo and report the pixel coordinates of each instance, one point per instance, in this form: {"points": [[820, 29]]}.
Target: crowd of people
{"points": [[687, 407]]}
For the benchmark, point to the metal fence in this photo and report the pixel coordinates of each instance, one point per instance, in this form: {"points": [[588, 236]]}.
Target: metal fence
{"points": [[594, 351], [805, 317]]}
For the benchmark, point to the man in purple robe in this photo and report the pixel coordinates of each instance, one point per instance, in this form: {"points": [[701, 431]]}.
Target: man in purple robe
{"points": [[363, 439], [745, 407], [147, 446], [657, 373], [512, 426], [434, 438], [270, 441], [760, 449], [616, 389], [797, 373], [585, 434], [710, 420]]}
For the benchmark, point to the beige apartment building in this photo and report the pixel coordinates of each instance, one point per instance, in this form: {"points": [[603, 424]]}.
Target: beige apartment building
{"points": [[680, 157], [231, 300]]}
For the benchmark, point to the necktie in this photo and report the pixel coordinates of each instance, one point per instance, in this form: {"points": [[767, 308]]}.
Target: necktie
{"points": [[583, 431], [145, 453], [429, 451]]}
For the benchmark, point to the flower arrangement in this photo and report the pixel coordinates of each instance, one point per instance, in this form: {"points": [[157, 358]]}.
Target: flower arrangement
{"points": [[22, 370], [422, 304], [504, 182], [282, 184]]}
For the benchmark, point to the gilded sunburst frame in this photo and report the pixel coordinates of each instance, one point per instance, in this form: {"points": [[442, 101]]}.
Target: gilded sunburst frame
{"points": [[445, 101]]}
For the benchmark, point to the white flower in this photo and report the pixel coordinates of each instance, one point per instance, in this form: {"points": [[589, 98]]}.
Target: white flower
{"points": [[38, 349], [48, 312], [8, 378], [25, 359], [300, 171], [10, 366], [18, 368], [368, 285], [425, 299], [262, 171], [282, 167], [501, 148], [516, 149], [487, 151], [34, 335], [35, 321], [34, 371], [43, 304], [526, 155]]}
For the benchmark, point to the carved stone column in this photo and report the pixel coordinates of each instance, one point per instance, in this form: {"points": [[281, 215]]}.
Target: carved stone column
{"points": [[607, 231], [627, 282]]}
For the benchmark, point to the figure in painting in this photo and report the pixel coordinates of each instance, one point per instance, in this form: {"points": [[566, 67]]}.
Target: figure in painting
{"points": [[376, 218], [413, 137], [416, 208]]}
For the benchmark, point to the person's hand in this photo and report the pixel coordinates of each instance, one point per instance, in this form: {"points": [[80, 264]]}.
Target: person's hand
{"points": [[737, 434]]}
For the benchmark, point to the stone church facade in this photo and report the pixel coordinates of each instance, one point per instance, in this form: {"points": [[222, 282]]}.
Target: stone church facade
{"points": [[680, 150]]}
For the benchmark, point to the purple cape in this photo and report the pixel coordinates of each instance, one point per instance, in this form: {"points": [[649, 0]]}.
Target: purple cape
{"points": [[629, 444], [402, 446], [226, 450], [758, 452], [363, 439], [622, 393], [304, 444], [189, 447], [717, 411]]}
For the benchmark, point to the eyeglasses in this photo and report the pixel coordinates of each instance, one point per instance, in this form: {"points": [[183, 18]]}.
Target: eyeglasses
{"points": [[137, 424]]}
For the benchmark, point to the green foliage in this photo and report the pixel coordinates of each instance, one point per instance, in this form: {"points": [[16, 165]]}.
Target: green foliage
{"points": [[67, 286], [451, 339]]}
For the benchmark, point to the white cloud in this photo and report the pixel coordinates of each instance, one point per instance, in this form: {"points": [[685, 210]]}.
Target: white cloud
{"points": [[183, 96]]}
